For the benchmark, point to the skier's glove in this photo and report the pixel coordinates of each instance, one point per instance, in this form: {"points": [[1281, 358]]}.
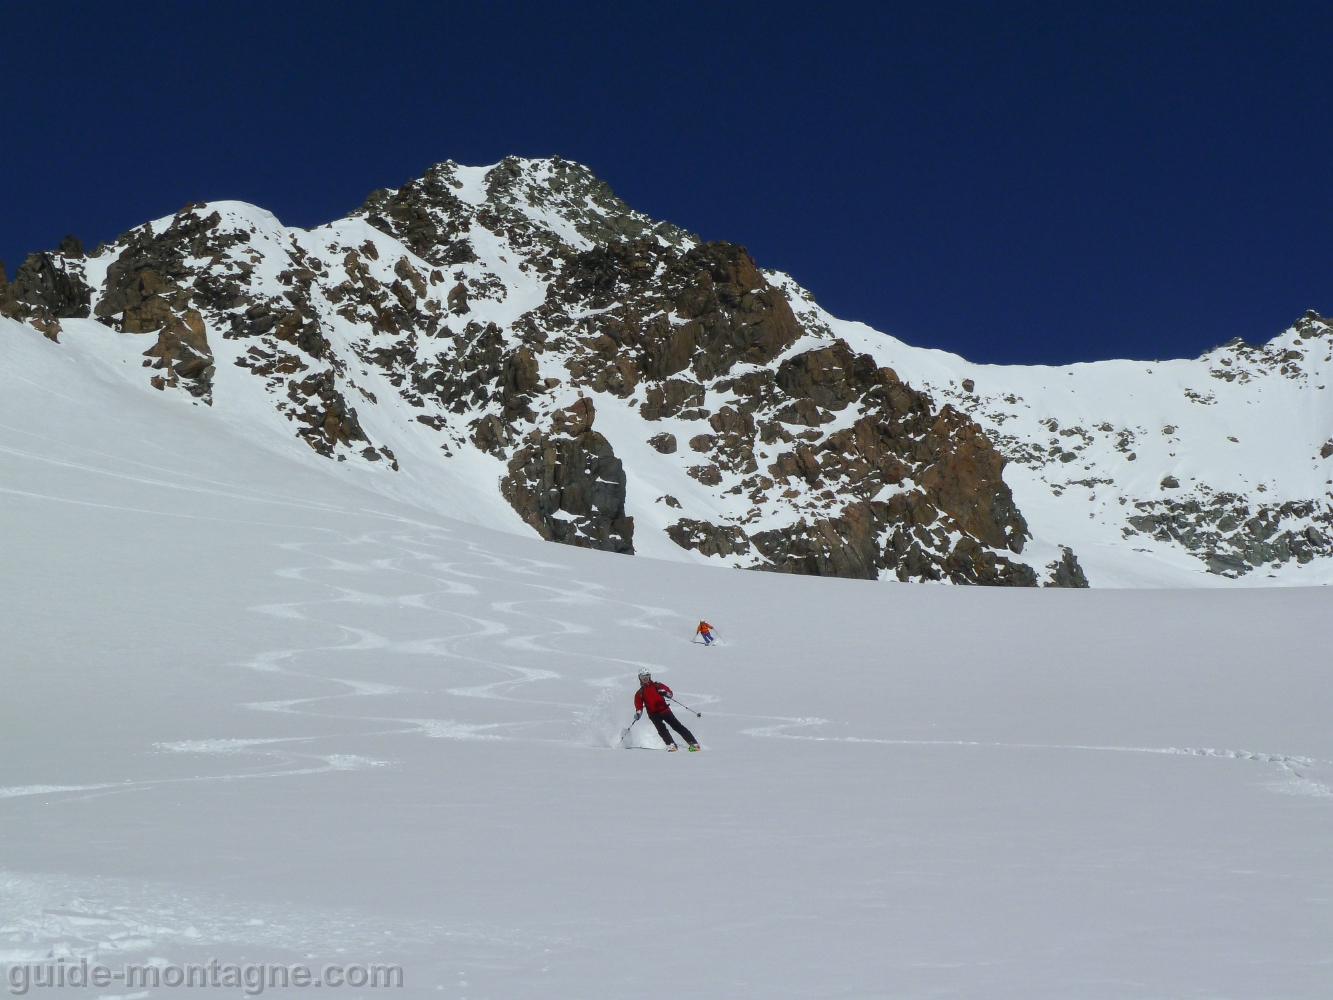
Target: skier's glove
{"points": [[637, 716]]}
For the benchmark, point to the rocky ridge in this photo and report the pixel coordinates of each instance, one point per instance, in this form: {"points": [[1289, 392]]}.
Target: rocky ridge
{"points": [[1234, 474]]}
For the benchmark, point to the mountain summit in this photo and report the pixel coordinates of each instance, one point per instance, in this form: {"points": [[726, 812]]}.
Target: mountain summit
{"points": [[515, 346]]}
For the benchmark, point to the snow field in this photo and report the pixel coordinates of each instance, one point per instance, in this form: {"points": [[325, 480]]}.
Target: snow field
{"points": [[257, 712]]}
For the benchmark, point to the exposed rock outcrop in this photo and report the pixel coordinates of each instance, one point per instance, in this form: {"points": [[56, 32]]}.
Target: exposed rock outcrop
{"points": [[328, 420], [153, 286], [1234, 536], [902, 536], [709, 539], [48, 287], [569, 486], [1066, 572]]}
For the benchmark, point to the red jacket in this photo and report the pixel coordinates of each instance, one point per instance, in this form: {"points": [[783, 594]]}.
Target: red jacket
{"points": [[654, 697]]}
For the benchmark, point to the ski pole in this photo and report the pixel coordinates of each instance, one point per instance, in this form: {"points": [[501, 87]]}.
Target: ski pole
{"points": [[626, 732], [686, 707]]}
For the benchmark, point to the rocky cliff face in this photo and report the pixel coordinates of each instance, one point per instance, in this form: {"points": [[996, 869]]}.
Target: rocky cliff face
{"points": [[47, 287], [632, 389], [567, 483]]}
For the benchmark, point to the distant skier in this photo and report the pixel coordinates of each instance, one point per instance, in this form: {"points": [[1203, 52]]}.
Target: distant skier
{"points": [[654, 696], [706, 631]]}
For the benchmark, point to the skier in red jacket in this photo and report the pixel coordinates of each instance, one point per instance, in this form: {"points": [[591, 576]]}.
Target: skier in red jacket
{"points": [[654, 696]]}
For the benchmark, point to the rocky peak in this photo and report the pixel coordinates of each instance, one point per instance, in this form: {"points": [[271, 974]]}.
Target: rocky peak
{"points": [[523, 315], [572, 193], [544, 209]]}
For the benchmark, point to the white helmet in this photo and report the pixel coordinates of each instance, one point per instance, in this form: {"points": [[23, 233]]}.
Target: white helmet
{"points": [[644, 675]]}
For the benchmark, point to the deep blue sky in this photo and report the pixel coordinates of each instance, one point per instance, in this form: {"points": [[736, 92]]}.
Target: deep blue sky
{"points": [[1015, 182]]}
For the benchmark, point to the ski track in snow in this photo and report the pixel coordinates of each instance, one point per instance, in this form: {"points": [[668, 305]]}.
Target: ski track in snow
{"points": [[448, 646], [419, 562], [516, 677], [1296, 767], [82, 927], [530, 631]]}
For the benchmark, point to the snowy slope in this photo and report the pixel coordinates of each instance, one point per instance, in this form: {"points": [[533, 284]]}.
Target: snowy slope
{"points": [[259, 710], [432, 343], [1243, 431]]}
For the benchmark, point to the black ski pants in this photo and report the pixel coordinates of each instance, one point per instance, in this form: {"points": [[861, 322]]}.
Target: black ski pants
{"points": [[668, 718]]}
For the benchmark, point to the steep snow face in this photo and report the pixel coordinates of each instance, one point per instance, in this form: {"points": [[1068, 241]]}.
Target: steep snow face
{"points": [[516, 347]]}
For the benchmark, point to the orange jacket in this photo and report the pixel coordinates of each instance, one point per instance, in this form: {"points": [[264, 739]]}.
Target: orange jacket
{"points": [[703, 627]]}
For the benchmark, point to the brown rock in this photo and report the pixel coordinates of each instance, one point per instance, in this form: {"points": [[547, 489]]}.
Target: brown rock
{"points": [[830, 377], [145, 316], [520, 374], [970, 563], [575, 419], [844, 546], [43, 283], [491, 435], [571, 490], [619, 377], [734, 314], [709, 475], [729, 420], [408, 273], [709, 539], [803, 412], [664, 444], [849, 545], [328, 420], [1066, 572], [668, 398], [963, 478], [181, 347]]}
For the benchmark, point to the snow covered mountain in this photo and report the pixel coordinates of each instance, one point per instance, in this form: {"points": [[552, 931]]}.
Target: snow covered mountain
{"points": [[269, 710], [515, 347]]}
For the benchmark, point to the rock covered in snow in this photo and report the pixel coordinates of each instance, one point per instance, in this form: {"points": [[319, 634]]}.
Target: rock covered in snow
{"points": [[461, 334]]}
